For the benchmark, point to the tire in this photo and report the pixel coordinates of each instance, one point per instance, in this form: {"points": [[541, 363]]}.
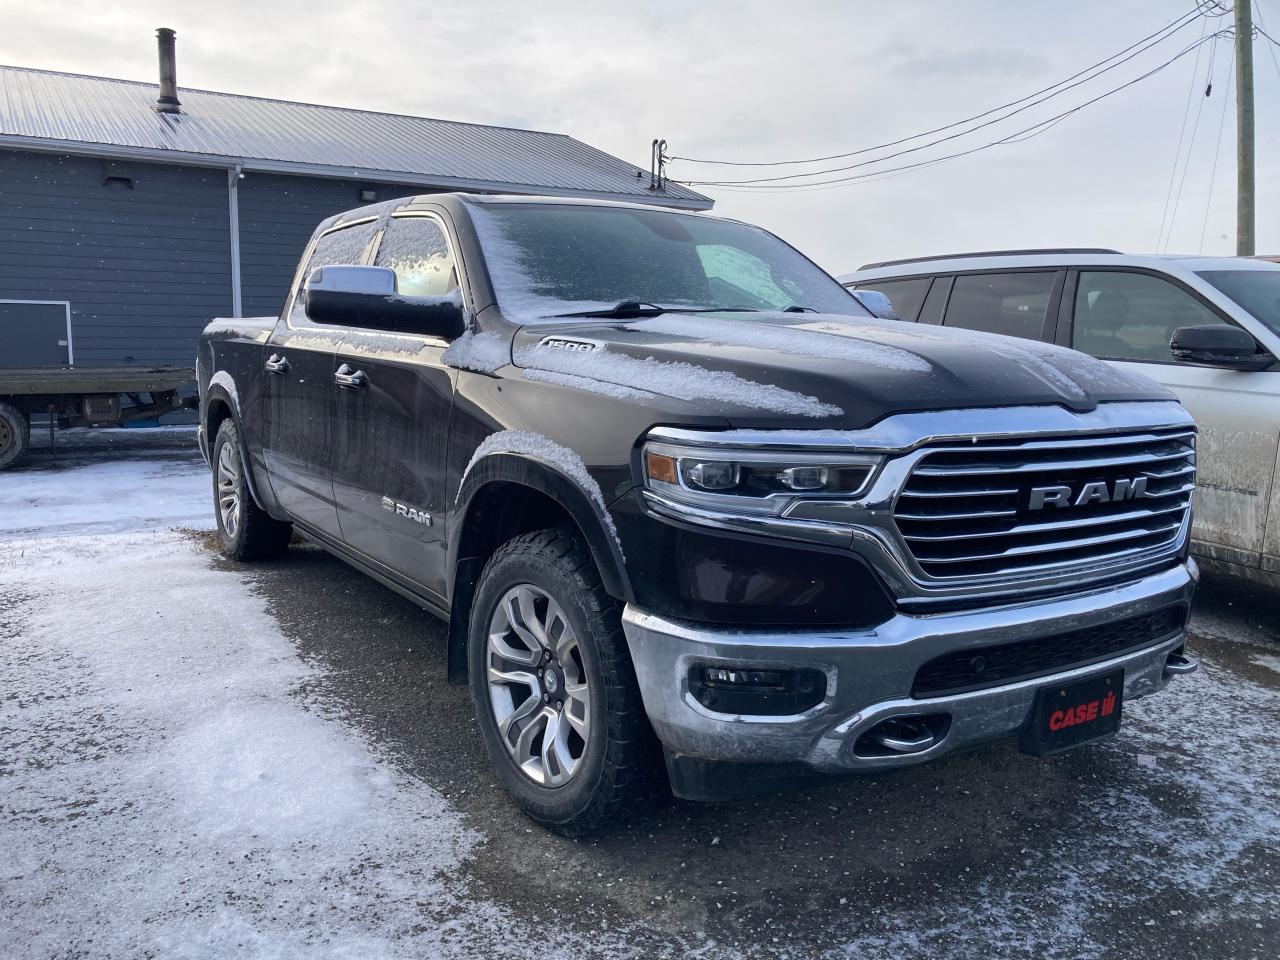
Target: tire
{"points": [[15, 435], [246, 531], [597, 770]]}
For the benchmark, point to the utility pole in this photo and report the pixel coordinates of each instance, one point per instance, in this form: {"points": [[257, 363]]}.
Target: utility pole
{"points": [[1244, 129]]}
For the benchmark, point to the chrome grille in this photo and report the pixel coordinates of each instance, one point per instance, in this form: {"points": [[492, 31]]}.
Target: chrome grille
{"points": [[968, 512]]}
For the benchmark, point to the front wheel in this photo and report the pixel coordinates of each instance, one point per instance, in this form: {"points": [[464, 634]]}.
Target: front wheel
{"points": [[246, 531], [554, 690]]}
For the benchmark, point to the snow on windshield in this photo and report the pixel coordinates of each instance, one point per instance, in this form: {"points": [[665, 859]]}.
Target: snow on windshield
{"points": [[548, 260]]}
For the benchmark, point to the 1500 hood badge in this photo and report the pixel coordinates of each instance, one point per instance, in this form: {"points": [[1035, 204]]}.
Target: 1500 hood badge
{"points": [[409, 513], [1128, 488]]}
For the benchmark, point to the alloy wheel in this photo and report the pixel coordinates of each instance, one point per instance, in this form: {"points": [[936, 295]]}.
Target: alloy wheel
{"points": [[6, 436], [228, 489], [537, 683]]}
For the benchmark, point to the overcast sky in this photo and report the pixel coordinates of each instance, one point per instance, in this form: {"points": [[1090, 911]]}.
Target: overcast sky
{"points": [[760, 81]]}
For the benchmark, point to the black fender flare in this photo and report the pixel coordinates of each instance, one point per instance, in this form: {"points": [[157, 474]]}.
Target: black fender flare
{"points": [[546, 478], [530, 471], [218, 392]]}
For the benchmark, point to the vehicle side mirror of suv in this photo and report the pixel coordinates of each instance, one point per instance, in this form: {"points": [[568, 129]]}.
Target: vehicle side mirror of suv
{"points": [[366, 297], [875, 301], [1219, 345]]}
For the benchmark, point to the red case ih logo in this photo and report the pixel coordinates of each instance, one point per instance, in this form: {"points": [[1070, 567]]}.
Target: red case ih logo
{"points": [[1084, 713]]}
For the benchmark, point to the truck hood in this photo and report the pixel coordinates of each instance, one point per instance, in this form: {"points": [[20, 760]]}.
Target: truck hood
{"points": [[808, 370]]}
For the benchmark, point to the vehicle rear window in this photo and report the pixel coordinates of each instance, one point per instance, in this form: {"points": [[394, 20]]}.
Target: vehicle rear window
{"points": [[906, 296], [1010, 303], [1258, 291]]}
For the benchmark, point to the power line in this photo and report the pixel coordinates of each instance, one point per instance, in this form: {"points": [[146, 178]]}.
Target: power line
{"points": [[1191, 144], [1011, 138], [1262, 29], [1178, 150], [1213, 175], [1202, 9]]}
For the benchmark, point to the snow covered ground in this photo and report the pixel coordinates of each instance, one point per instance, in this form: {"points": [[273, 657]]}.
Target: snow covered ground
{"points": [[199, 759], [80, 487]]}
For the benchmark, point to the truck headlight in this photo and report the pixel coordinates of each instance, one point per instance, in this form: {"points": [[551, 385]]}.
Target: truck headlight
{"points": [[753, 480]]}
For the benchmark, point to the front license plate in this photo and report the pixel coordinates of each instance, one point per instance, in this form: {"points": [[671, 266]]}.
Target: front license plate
{"points": [[1068, 715]]}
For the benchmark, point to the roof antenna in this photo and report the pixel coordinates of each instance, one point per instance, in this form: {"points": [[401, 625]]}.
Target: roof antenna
{"points": [[168, 101], [658, 165]]}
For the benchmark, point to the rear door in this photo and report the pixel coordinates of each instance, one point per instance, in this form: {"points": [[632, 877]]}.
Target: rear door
{"points": [[300, 396], [393, 419], [1127, 317], [1016, 303]]}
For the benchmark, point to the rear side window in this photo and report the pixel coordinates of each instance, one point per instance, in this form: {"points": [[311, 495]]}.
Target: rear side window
{"points": [[417, 250], [905, 295], [345, 246], [1010, 303], [1132, 316]]}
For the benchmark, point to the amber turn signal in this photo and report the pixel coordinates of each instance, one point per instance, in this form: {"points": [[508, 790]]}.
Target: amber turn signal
{"points": [[660, 467]]}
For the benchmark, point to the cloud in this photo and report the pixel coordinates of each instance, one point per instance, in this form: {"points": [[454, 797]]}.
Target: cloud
{"points": [[738, 79]]}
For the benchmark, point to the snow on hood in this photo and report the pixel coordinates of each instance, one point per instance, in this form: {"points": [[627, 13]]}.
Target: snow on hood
{"points": [[677, 379]]}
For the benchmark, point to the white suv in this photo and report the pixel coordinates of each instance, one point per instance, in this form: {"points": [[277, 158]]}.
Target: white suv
{"points": [[1206, 327]]}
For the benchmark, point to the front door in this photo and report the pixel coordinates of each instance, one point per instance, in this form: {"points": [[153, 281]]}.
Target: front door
{"points": [[393, 419], [1128, 318], [300, 395]]}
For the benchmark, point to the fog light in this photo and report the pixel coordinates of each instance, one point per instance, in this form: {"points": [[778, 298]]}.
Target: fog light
{"points": [[743, 690]]}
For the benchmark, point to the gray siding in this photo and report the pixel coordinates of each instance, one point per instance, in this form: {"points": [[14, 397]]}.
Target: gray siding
{"points": [[277, 216], [144, 268]]}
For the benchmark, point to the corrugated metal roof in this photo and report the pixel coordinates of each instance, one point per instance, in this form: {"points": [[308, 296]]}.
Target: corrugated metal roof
{"points": [[46, 109]]}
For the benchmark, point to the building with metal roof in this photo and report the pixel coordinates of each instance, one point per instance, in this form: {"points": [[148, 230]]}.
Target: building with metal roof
{"points": [[140, 210]]}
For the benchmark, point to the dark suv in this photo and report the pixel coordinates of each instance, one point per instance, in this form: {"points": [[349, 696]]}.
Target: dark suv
{"points": [[680, 498]]}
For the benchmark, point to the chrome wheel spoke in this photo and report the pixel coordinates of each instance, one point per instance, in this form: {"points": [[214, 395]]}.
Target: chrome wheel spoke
{"points": [[227, 476], [538, 690]]}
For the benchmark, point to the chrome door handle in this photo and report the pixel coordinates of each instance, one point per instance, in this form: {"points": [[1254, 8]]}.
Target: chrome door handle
{"points": [[344, 376], [277, 364]]}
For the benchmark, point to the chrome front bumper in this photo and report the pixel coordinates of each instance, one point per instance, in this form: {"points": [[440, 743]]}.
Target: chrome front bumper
{"points": [[870, 675]]}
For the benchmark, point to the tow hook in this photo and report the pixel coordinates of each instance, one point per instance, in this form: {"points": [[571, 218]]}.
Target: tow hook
{"points": [[1179, 665]]}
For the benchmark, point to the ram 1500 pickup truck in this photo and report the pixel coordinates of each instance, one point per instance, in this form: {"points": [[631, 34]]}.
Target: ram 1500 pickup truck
{"points": [[684, 503]]}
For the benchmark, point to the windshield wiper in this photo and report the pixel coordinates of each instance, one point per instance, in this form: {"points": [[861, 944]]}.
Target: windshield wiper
{"points": [[629, 309]]}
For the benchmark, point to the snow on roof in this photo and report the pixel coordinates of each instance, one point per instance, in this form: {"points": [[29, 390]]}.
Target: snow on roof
{"points": [[48, 110]]}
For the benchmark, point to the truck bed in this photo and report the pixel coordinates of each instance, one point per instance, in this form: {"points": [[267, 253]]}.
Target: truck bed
{"points": [[26, 381]]}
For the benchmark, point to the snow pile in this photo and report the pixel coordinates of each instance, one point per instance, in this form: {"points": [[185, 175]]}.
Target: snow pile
{"points": [[677, 379], [822, 340], [485, 352], [562, 458]]}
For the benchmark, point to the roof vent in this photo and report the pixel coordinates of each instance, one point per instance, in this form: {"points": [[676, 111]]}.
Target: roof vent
{"points": [[168, 101]]}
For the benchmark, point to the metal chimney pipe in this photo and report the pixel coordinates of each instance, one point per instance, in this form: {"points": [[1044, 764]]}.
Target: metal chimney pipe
{"points": [[168, 101]]}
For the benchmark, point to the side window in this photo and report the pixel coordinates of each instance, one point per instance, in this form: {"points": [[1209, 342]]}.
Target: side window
{"points": [[1008, 303], [905, 295], [417, 250], [1132, 316], [344, 246]]}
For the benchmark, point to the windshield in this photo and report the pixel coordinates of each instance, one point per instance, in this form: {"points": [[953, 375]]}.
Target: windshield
{"points": [[1258, 291], [550, 260]]}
